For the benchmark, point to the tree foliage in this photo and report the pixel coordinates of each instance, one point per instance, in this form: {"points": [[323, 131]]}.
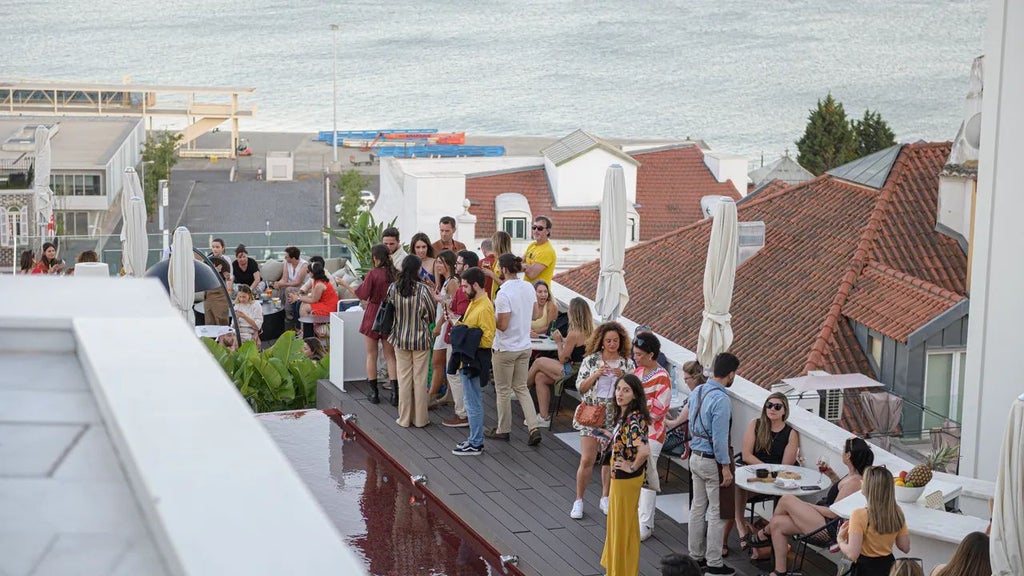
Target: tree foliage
{"points": [[873, 134], [360, 237], [828, 139], [831, 140], [160, 150], [349, 187]]}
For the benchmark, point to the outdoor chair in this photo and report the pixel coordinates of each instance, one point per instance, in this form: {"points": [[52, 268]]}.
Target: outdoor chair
{"points": [[821, 538], [558, 388]]}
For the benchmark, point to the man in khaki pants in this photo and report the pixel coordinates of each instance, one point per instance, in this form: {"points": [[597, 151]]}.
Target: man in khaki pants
{"points": [[710, 413], [513, 307]]}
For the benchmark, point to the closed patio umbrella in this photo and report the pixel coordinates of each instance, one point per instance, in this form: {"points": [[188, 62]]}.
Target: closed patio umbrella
{"points": [[181, 274], [715, 334], [135, 248], [612, 295], [44, 196], [1007, 546]]}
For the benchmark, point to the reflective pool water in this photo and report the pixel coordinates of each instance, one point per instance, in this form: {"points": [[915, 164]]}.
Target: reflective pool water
{"points": [[397, 528]]}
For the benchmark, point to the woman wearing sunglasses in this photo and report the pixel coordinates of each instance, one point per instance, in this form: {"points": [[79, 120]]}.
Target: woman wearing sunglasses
{"points": [[768, 440]]}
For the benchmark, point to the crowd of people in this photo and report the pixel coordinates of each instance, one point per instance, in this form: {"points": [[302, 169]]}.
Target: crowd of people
{"points": [[467, 319]]}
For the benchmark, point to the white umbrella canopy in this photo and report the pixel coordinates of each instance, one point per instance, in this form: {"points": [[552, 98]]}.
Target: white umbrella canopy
{"points": [[612, 295], [719, 274], [135, 248], [181, 274], [1007, 546], [44, 196]]}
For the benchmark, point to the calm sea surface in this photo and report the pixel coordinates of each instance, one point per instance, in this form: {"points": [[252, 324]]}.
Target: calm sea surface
{"points": [[741, 75]]}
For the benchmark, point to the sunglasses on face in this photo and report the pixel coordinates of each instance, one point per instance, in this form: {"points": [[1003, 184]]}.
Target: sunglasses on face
{"points": [[539, 228], [774, 406]]}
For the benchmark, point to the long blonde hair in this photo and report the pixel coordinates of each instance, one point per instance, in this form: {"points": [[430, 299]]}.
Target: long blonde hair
{"points": [[580, 318], [907, 567], [884, 515], [971, 557], [501, 243], [763, 430]]}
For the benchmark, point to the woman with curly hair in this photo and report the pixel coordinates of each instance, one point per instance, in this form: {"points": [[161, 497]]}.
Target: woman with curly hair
{"points": [[609, 359]]}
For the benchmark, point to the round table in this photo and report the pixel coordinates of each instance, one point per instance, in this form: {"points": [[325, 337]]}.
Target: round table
{"points": [[543, 344], [273, 318], [808, 477]]}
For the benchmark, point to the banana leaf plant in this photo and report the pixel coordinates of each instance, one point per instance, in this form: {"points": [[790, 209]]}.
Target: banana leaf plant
{"points": [[360, 238], [278, 378]]}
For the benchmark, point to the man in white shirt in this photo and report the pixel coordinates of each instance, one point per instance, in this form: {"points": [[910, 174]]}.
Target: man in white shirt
{"points": [[513, 308], [389, 238]]}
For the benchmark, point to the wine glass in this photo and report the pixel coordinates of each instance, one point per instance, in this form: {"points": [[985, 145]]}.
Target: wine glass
{"points": [[823, 465]]}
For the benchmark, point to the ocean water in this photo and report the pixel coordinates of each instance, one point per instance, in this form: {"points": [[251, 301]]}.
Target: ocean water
{"points": [[741, 75]]}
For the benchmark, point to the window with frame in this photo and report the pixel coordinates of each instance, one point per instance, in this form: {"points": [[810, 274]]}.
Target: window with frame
{"points": [[14, 225], [72, 223], [875, 348], [75, 185], [515, 227], [944, 374], [632, 230]]}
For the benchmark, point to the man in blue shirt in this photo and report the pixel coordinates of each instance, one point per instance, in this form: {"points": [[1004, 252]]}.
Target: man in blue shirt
{"points": [[710, 415]]}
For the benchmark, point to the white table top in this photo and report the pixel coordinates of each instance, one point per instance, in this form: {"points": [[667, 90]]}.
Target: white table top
{"points": [[543, 344], [808, 477], [921, 520], [212, 331]]}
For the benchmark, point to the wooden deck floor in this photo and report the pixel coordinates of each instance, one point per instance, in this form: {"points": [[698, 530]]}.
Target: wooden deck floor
{"points": [[518, 497]]}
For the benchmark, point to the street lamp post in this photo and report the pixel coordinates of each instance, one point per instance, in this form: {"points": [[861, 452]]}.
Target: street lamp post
{"points": [[334, 136]]}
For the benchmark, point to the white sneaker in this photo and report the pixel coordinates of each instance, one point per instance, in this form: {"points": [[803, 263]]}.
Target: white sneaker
{"points": [[541, 422], [604, 505], [577, 510], [645, 532]]}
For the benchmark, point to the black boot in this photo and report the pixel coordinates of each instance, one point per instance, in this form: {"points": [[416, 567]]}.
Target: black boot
{"points": [[394, 392], [374, 394]]}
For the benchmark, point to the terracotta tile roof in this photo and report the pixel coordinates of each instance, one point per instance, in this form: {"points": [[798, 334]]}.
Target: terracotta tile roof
{"points": [[895, 303], [584, 223], [670, 184], [789, 299]]}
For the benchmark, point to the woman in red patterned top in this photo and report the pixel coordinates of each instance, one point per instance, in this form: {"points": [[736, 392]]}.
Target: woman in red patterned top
{"points": [[658, 390]]}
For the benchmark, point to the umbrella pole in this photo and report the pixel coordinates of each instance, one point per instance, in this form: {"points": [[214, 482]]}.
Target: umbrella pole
{"points": [[224, 287]]}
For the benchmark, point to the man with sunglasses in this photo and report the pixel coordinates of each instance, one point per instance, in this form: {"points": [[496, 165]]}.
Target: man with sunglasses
{"points": [[539, 260]]}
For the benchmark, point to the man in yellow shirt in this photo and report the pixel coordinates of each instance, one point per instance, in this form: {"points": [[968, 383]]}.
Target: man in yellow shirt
{"points": [[480, 314], [539, 261]]}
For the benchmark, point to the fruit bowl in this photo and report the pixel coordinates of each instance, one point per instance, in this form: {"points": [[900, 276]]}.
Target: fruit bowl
{"points": [[905, 494]]}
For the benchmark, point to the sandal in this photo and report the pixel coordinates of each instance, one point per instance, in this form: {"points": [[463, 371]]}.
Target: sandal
{"points": [[755, 541]]}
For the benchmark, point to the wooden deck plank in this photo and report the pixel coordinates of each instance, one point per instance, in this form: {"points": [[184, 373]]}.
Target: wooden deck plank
{"points": [[518, 497]]}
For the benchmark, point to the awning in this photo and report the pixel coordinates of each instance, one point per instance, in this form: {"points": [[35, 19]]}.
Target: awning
{"points": [[803, 384]]}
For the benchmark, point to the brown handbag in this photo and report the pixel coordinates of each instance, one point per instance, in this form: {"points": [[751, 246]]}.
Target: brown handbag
{"points": [[588, 416]]}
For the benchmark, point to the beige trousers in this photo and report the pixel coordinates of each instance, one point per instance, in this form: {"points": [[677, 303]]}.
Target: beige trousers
{"points": [[510, 370], [412, 387]]}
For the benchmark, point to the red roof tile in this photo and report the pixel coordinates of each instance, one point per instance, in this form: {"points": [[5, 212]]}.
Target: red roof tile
{"points": [[789, 300], [533, 185], [670, 184], [895, 303]]}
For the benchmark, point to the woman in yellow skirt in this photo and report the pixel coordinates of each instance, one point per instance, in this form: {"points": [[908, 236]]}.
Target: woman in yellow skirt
{"points": [[621, 556]]}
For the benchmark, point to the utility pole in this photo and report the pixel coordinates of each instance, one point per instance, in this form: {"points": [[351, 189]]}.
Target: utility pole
{"points": [[334, 136]]}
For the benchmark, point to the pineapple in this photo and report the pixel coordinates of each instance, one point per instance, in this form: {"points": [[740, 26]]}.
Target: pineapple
{"points": [[921, 474]]}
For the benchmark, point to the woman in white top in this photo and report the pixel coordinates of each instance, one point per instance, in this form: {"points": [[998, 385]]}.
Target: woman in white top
{"points": [[249, 313]]}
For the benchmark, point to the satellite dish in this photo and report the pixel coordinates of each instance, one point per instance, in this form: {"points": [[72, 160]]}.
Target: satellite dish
{"points": [[972, 131]]}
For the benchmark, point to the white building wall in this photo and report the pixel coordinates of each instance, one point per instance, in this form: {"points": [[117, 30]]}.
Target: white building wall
{"points": [[580, 182], [726, 167], [996, 338], [426, 199], [954, 209]]}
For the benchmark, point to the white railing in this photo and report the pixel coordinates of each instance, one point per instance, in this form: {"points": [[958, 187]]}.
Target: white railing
{"points": [[821, 438]]}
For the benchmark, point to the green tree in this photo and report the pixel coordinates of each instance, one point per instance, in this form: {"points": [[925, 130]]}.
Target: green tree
{"points": [[349, 187], [159, 155], [828, 139], [873, 133]]}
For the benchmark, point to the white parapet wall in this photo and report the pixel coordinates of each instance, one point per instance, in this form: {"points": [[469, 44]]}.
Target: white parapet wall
{"points": [[217, 494]]}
